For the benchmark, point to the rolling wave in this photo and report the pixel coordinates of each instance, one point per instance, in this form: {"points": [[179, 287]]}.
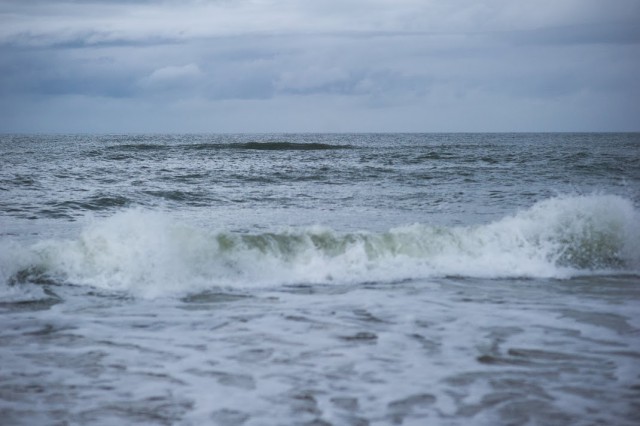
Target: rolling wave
{"points": [[123, 150], [148, 254], [289, 146]]}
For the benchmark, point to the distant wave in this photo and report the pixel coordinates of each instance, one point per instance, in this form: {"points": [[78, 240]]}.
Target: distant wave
{"points": [[148, 254], [137, 147], [290, 146], [112, 150], [274, 146]]}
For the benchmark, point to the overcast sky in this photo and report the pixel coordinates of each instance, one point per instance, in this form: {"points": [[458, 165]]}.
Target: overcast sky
{"points": [[319, 65]]}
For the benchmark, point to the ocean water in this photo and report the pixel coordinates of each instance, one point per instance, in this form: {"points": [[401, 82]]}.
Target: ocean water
{"points": [[320, 279]]}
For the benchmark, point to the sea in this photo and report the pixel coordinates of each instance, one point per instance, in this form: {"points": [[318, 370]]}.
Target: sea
{"points": [[320, 279]]}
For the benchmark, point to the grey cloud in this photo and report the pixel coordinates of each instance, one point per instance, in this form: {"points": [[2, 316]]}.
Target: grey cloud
{"points": [[601, 33], [51, 73], [82, 39], [487, 65], [173, 77]]}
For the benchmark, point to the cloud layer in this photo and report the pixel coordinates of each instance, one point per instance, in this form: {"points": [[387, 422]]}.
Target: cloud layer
{"points": [[351, 65]]}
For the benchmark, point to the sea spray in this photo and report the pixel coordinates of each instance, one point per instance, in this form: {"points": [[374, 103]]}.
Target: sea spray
{"points": [[150, 254]]}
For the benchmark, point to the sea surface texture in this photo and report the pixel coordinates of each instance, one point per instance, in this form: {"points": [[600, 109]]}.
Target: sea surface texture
{"points": [[320, 279]]}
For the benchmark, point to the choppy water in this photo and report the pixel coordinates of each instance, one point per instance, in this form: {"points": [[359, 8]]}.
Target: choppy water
{"points": [[320, 279]]}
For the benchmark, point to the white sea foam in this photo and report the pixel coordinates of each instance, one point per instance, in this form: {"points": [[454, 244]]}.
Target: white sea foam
{"points": [[150, 254]]}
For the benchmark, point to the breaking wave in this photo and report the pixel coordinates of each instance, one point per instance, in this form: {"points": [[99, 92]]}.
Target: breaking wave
{"points": [[148, 254]]}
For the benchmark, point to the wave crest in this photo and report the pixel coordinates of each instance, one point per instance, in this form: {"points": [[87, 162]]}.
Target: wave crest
{"points": [[149, 254]]}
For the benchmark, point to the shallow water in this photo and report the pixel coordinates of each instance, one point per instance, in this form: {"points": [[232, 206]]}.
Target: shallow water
{"points": [[445, 351]]}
